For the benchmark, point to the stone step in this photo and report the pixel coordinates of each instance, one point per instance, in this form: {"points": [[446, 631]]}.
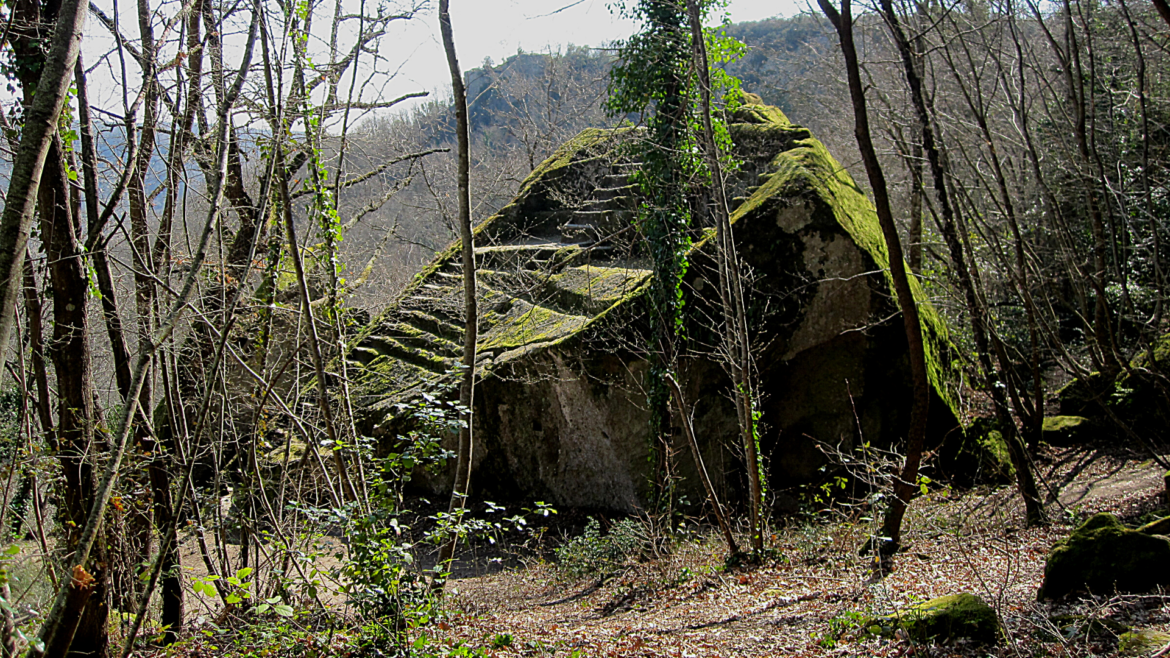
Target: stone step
{"points": [[361, 356], [614, 193], [411, 336], [447, 310], [575, 229], [607, 221], [415, 356], [615, 182], [515, 256], [442, 328]]}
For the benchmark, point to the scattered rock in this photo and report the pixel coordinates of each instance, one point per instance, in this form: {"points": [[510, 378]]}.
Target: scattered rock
{"points": [[1102, 555], [1064, 431], [1142, 642], [945, 620], [1136, 397]]}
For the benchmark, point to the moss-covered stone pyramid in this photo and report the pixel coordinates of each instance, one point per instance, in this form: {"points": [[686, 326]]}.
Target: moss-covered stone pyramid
{"points": [[560, 411]]}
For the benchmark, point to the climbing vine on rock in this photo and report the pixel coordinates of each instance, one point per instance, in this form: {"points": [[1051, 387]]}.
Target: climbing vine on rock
{"points": [[654, 78]]}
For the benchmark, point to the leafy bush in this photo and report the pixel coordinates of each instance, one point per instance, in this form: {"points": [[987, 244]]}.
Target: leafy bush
{"points": [[597, 555]]}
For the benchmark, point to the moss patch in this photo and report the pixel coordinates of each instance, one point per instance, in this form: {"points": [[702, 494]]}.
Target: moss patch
{"points": [[1101, 555], [592, 289], [1142, 642], [1159, 527], [808, 167], [1066, 430], [946, 619], [525, 323], [977, 454]]}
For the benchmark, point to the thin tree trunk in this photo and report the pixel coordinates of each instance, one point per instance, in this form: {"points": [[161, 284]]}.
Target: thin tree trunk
{"points": [[700, 466], [735, 327], [462, 484], [1024, 478], [906, 484], [62, 618]]}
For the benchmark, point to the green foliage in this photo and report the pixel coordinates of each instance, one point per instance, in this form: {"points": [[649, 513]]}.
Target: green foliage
{"points": [[839, 626], [655, 74], [380, 576], [599, 556]]}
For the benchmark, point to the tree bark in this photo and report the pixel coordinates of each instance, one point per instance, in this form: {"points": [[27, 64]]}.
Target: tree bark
{"points": [[462, 484], [906, 484], [975, 309], [735, 326], [40, 125]]}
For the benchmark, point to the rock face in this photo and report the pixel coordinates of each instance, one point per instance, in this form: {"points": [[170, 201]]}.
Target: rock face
{"points": [[945, 620], [1102, 555], [978, 454], [560, 411]]}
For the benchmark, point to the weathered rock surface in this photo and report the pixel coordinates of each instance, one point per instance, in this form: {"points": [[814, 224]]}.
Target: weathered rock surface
{"points": [[945, 620], [560, 408], [1142, 642], [1103, 555]]}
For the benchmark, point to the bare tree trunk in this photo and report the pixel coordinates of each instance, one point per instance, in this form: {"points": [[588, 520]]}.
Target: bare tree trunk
{"points": [[735, 326], [459, 489], [905, 485], [688, 426], [1024, 478], [59, 623]]}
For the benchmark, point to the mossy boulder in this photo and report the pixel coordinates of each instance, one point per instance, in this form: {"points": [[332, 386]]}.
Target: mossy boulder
{"points": [[1103, 555], [976, 455], [1138, 397], [1064, 431], [1085, 396], [562, 368], [945, 620], [1142, 642]]}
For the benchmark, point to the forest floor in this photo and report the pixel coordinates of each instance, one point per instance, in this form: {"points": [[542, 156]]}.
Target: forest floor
{"points": [[810, 598]]}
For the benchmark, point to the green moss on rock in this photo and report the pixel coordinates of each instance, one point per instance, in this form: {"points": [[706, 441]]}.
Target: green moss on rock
{"points": [[1066, 430], [1136, 396], [1142, 642], [1102, 555], [976, 455], [1159, 527], [947, 619]]}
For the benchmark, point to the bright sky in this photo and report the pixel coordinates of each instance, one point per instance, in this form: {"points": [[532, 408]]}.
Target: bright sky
{"points": [[497, 28], [412, 49]]}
